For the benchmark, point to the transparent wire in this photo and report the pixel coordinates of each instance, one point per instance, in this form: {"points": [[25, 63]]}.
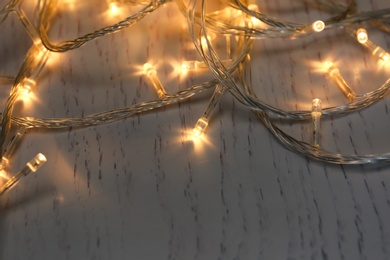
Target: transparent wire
{"points": [[233, 21]]}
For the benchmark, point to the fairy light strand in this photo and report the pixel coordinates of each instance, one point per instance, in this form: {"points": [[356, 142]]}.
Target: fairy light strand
{"points": [[335, 75], [203, 121], [244, 21]]}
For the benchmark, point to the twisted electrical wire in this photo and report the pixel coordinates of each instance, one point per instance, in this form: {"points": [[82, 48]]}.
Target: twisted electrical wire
{"points": [[200, 25], [48, 12]]}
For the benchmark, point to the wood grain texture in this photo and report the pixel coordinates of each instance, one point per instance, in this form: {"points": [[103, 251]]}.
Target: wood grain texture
{"points": [[136, 189]]}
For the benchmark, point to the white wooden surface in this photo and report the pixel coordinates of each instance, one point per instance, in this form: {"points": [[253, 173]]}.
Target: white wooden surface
{"points": [[137, 189]]}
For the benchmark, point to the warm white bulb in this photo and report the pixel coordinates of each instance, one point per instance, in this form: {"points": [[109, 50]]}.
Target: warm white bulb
{"points": [[335, 75], [31, 166], [318, 26], [200, 127], [153, 78], [4, 163], [386, 57], [36, 162], [253, 7], [113, 7], [26, 86], [203, 41], [148, 69], [189, 65], [210, 37], [70, 3], [26, 90], [361, 35]]}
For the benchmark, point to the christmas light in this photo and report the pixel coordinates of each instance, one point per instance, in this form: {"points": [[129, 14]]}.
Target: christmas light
{"points": [[31, 166], [203, 122], [151, 74], [114, 7], [25, 87], [254, 20], [318, 26], [238, 23], [334, 73], [362, 37], [200, 126]]}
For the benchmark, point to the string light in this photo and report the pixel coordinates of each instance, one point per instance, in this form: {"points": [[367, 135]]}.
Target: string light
{"points": [[238, 21], [31, 166], [114, 7], [203, 41], [334, 73], [362, 37], [255, 8], [151, 74], [318, 26], [26, 86], [203, 121]]}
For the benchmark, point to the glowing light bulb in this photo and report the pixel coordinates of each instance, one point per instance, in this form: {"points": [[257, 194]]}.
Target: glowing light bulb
{"points": [[200, 126], [71, 4], [36, 162], [253, 7], [25, 87], [113, 7], [316, 113], [377, 51], [203, 41], [254, 20], [42, 52], [229, 12], [203, 121], [193, 64], [361, 35], [210, 37], [152, 76], [31, 166], [4, 163], [318, 26], [334, 73]]}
